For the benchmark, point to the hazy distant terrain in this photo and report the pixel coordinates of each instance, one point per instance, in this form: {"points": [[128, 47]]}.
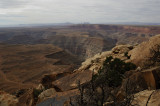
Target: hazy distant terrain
{"points": [[83, 40]]}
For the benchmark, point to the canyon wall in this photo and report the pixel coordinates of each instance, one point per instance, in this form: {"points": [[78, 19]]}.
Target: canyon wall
{"points": [[83, 40]]}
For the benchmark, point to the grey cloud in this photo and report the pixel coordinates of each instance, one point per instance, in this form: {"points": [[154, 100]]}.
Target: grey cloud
{"points": [[94, 11], [12, 3]]}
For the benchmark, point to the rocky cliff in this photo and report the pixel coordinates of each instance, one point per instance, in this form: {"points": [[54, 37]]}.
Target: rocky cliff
{"points": [[138, 81]]}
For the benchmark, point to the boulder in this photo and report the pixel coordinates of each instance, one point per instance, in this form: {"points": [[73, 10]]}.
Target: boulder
{"points": [[141, 53]]}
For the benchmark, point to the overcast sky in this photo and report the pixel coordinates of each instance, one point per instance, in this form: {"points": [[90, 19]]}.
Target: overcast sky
{"points": [[78, 11]]}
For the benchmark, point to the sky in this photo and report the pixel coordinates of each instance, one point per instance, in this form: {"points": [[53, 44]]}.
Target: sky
{"points": [[78, 11]]}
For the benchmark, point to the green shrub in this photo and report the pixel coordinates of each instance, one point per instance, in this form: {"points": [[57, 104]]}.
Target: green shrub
{"points": [[113, 70], [107, 78]]}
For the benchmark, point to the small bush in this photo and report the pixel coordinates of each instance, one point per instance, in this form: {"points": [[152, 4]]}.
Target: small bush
{"points": [[114, 68]]}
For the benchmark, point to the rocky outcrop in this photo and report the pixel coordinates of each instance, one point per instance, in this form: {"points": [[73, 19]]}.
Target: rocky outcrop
{"points": [[7, 99], [95, 63], [141, 53], [147, 98]]}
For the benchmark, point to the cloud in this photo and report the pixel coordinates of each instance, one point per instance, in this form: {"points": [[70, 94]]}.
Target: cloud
{"points": [[12, 3], [94, 11]]}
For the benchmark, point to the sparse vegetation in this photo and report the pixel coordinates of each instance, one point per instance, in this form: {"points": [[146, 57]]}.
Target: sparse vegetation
{"points": [[110, 76]]}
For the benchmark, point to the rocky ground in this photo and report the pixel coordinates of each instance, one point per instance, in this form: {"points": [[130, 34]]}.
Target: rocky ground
{"points": [[145, 82]]}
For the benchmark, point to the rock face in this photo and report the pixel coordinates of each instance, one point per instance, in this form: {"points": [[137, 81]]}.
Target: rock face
{"points": [[82, 46], [152, 77], [147, 98], [141, 53], [95, 63], [7, 99]]}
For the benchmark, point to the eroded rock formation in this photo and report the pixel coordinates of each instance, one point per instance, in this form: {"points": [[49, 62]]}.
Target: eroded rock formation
{"points": [[141, 53]]}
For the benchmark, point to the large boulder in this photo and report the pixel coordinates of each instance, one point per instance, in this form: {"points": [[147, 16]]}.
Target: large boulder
{"points": [[141, 53]]}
